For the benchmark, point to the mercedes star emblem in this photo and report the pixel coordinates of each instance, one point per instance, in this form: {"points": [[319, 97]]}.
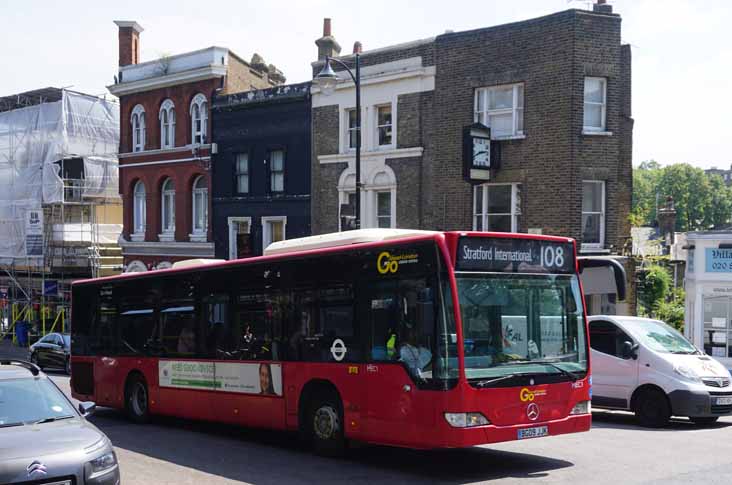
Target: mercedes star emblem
{"points": [[532, 411]]}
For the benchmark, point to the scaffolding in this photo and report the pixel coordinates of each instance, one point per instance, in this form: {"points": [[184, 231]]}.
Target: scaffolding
{"points": [[60, 211]]}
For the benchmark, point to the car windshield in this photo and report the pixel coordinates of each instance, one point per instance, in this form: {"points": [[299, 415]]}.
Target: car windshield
{"points": [[660, 337], [30, 400], [521, 324]]}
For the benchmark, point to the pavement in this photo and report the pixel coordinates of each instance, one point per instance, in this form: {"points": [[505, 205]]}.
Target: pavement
{"points": [[615, 451]]}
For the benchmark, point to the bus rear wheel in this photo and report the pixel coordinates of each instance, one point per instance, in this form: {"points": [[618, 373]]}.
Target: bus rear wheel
{"points": [[136, 400], [324, 423]]}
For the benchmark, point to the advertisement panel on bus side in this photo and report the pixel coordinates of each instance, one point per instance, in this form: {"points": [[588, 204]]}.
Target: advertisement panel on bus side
{"points": [[246, 378]]}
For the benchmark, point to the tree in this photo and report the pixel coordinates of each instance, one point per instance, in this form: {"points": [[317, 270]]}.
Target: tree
{"points": [[702, 201], [672, 309]]}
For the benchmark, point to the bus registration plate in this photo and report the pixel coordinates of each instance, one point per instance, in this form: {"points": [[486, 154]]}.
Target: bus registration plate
{"points": [[533, 432]]}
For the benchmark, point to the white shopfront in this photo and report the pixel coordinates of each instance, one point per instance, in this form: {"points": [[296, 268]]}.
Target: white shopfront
{"points": [[709, 293]]}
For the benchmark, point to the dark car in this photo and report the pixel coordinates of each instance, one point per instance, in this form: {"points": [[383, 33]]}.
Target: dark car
{"points": [[53, 350], [44, 438]]}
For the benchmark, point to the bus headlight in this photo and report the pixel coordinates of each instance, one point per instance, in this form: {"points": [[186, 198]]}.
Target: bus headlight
{"points": [[466, 420], [582, 407]]}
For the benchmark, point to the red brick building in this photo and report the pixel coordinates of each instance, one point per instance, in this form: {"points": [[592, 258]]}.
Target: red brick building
{"points": [[165, 150]]}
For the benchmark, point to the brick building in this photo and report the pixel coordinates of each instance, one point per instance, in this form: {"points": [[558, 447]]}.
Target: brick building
{"points": [[165, 149], [555, 93], [261, 173]]}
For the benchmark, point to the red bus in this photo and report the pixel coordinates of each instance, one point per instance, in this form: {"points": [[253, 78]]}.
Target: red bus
{"points": [[408, 338]]}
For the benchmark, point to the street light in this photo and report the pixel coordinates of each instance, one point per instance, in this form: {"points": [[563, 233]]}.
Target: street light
{"points": [[326, 80]]}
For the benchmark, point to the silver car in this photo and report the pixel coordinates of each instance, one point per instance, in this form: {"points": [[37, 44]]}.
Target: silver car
{"points": [[44, 438]]}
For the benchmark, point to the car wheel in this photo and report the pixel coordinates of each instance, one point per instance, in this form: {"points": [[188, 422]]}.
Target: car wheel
{"points": [[652, 409], [706, 420], [34, 360], [325, 425], [136, 400]]}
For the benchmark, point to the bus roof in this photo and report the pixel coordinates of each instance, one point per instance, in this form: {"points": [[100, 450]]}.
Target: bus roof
{"points": [[345, 238]]}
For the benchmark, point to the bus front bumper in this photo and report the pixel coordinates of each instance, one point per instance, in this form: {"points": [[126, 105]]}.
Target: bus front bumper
{"points": [[480, 435]]}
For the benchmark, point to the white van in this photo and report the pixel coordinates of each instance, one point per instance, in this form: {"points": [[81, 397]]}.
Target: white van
{"points": [[645, 366]]}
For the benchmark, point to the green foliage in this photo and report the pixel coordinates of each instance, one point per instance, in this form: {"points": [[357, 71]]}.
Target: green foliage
{"points": [[653, 287], [702, 201], [671, 310]]}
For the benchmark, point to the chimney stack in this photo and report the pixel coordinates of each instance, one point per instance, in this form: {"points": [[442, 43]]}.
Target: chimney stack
{"points": [[327, 45], [602, 7], [129, 42], [357, 47]]}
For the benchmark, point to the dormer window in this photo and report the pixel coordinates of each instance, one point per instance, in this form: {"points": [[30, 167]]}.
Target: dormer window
{"points": [[167, 124], [199, 119], [138, 128]]}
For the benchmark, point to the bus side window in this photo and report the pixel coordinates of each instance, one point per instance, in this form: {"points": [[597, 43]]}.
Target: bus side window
{"points": [[337, 323], [300, 329], [180, 335]]}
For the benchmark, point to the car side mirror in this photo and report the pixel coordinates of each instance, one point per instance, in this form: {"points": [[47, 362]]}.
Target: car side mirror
{"points": [[87, 408], [630, 350]]}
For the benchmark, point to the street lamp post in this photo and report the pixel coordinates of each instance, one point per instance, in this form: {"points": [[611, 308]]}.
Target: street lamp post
{"points": [[327, 80]]}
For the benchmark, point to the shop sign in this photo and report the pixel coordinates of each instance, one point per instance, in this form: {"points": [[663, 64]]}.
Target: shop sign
{"points": [[718, 260]]}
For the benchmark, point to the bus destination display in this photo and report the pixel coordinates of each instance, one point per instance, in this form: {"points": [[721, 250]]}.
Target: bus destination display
{"points": [[511, 255]]}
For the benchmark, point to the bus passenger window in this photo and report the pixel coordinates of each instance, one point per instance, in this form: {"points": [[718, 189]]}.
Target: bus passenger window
{"points": [[179, 332]]}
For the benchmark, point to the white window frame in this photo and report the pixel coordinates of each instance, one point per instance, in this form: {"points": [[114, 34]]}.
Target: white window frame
{"points": [[231, 221], [392, 211], [199, 234], [272, 172], [516, 111], [602, 214], [603, 120], [377, 126], [483, 211], [266, 236], [343, 199], [238, 174], [139, 212], [137, 120], [200, 101], [167, 200], [167, 123], [347, 129]]}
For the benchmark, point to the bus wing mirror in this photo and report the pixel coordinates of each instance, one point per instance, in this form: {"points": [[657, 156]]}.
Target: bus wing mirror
{"points": [[603, 262]]}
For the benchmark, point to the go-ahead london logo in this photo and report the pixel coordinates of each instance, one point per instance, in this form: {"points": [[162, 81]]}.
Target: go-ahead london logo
{"points": [[389, 263]]}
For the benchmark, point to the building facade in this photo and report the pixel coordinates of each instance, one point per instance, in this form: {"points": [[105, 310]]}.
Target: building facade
{"points": [[555, 94], [165, 145], [261, 173]]}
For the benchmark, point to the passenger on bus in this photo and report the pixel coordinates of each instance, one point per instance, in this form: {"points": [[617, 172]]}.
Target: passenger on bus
{"points": [[187, 339], [416, 356]]}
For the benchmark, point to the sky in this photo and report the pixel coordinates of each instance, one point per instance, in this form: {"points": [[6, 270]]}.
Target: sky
{"points": [[682, 49]]}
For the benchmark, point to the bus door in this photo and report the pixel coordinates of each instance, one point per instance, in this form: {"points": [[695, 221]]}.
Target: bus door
{"points": [[398, 354]]}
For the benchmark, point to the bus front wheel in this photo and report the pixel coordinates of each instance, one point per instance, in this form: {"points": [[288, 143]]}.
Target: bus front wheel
{"points": [[136, 399], [325, 425]]}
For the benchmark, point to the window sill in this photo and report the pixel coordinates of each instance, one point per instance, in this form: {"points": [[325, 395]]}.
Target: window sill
{"points": [[166, 237], [587, 132], [509, 137], [137, 237], [198, 237]]}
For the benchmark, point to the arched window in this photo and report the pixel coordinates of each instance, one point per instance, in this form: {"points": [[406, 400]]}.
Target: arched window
{"points": [[167, 124], [199, 118], [168, 207], [200, 206], [378, 198], [139, 210], [138, 128]]}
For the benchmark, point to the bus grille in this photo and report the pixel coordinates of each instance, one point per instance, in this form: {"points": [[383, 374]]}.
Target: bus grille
{"points": [[82, 378]]}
